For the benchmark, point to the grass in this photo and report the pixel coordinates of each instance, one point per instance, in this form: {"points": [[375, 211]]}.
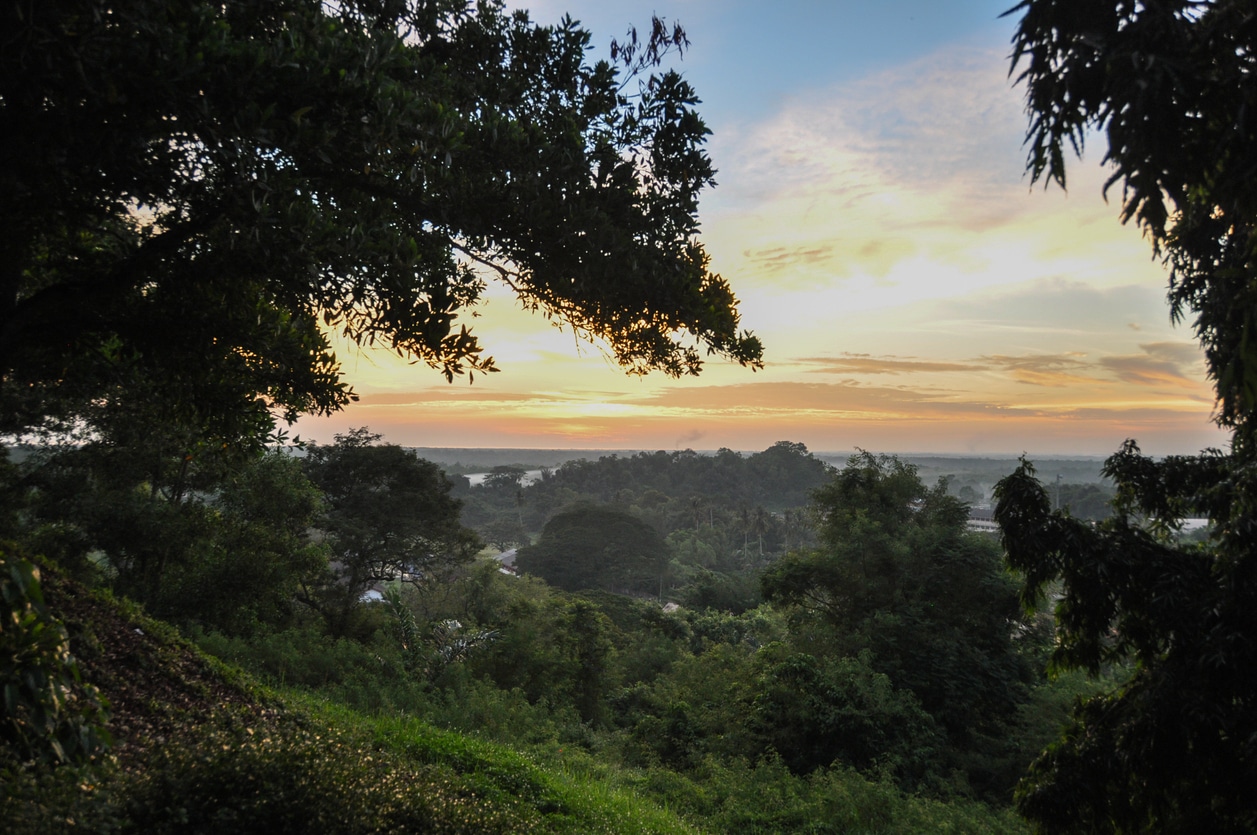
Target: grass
{"points": [[204, 748], [571, 794]]}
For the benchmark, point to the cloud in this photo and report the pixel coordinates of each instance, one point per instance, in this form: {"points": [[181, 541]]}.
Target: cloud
{"points": [[1160, 364], [463, 394], [780, 400], [688, 439], [910, 163], [1057, 370], [1180, 353], [774, 259], [1064, 305], [878, 233], [867, 364], [951, 116]]}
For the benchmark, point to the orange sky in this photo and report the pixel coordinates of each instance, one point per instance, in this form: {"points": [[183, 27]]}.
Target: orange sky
{"points": [[913, 293]]}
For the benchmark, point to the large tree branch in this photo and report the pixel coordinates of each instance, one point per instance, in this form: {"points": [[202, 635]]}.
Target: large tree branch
{"points": [[65, 309]]}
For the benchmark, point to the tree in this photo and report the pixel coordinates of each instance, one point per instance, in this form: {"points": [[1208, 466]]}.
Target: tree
{"points": [[195, 193], [387, 516], [596, 547], [785, 474], [1175, 747], [897, 574], [50, 714], [503, 532], [258, 554], [816, 712], [505, 479], [198, 537]]}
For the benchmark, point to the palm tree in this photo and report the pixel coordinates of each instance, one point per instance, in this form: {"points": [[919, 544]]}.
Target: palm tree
{"points": [[696, 509], [759, 526]]}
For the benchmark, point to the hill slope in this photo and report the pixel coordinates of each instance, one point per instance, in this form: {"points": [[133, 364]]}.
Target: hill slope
{"points": [[200, 747]]}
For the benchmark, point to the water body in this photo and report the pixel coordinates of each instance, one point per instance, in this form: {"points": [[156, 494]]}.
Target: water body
{"points": [[530, 476]]}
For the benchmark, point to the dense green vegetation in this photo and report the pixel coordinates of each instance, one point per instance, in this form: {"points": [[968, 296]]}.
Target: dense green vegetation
{"points": [[1169, 87], [194, 191], [922, 707]]}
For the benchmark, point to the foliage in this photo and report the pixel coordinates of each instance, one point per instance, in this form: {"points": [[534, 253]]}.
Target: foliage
{"points": [[573, 793], [198, 535], [503, 532], [229, 756], [724, 515], [504, 479], [293, 779], [1170, 84], [591, 547], [780, 477], [1173, 747], [555, 648], [447, 643], [306, 656], [261, 551], [898, 575], [817, 712], [50, 715], [734, 593], [766, 797], [1092, 502], [195, 191], [388, 515], [52, 801]]}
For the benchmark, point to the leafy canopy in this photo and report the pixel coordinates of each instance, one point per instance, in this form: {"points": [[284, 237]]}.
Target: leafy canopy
{"points": [[591, 546], [387, 516], [898, 575], [195, 194], [1170, 83]]}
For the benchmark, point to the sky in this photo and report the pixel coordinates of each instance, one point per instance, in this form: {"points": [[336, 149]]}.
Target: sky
{"points": [[913, 291]]}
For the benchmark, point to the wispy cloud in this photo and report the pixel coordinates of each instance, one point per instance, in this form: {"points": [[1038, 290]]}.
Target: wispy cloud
{"points": [[451, 394], [779, 258], [912, 293], [868, 364], [1161, 364], [847, 397], [1045, 369], [690, 438]]}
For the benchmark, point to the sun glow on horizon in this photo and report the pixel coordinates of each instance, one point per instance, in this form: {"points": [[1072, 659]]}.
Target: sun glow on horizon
{"points": [[912, 291]]}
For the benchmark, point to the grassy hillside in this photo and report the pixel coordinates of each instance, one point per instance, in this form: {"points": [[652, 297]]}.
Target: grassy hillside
{"points": [[202, 747]]}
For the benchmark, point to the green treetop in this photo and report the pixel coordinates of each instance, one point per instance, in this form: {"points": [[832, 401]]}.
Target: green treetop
{"points": [[1174, 748], [193, 194]]}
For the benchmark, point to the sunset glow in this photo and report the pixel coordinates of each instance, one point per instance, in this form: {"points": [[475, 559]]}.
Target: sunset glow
{"points": [[913, 293]]}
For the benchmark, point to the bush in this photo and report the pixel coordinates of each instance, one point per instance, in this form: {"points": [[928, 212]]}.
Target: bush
{"points": [[296, 780], [45, 800], [50, 715]]}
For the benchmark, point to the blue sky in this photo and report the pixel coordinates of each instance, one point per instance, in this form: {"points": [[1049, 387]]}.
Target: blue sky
{"points": [[913, 292]]}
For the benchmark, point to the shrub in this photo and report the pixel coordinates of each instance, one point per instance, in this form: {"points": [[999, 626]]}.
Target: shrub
{"points": [[296, 780], [50, 715]]}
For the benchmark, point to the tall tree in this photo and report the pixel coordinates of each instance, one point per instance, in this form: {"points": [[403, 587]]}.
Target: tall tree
{"points": [[596, 547], [387, 515], [897, 575], [1174, 749], [195, 193]]}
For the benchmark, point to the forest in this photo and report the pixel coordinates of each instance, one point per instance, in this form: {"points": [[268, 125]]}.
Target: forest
{"points": [[208, 626], [678, 616]]}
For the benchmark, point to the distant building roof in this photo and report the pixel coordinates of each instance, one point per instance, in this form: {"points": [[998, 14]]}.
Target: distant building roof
{"points": [[982, 518]]}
